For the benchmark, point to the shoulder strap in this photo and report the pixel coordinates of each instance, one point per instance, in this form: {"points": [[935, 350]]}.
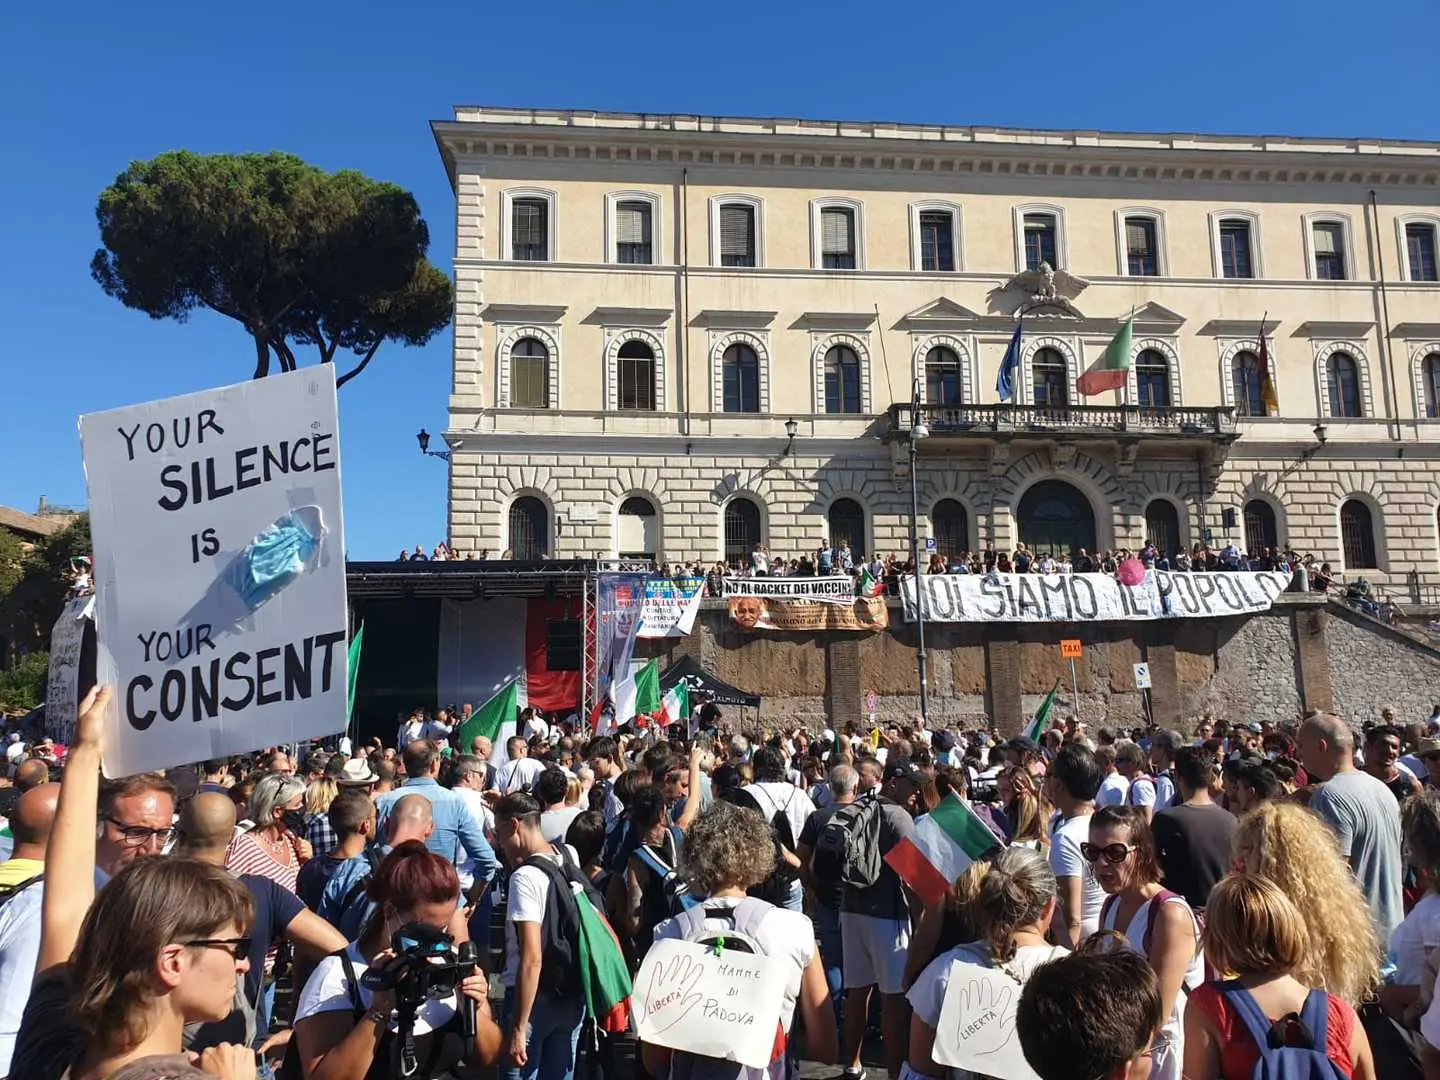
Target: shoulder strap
{"points": [[352, 984], [653, 861], [1161, 898], [1315, 1015], [749, 914], [1105, 909], [1255, 1021]]}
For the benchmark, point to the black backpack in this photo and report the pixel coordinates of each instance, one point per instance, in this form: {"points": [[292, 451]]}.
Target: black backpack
{"points": [[560, 930], [847, 851]]}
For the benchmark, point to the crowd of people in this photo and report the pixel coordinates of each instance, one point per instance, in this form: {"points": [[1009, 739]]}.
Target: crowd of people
{"points": [[1165, 905]]}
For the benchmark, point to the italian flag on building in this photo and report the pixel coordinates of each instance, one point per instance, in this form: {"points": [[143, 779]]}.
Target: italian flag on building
{"points": [[869, 585], [946, 841], [1113, 368]]}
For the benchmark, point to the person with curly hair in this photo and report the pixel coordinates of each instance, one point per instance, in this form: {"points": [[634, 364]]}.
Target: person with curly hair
{"points": [[1294, 848]]}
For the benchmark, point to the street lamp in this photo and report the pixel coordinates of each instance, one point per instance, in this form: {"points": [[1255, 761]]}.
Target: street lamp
{"points": [[791, 427], [918, 430], [423, 438]]}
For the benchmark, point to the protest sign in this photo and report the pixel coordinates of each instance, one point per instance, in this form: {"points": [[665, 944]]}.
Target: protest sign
{"points": [[1160, 594], [670, 607], [723, 1005], [66, 683], [977, 1023], [219, 570], [758, 613], [839, 589]]}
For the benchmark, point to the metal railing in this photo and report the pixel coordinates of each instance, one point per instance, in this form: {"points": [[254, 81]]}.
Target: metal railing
{"points": [[1183, 422]]}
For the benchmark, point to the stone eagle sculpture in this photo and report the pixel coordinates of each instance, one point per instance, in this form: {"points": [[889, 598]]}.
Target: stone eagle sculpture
{"points": [[1045, 284]]}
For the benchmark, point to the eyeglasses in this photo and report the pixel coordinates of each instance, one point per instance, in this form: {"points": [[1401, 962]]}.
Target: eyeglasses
{"points": [[135, 836], [1159, 1046], [1114, 854], [237, 947]]}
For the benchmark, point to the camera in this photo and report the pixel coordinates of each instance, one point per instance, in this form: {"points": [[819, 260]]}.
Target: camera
{"points": [[426, 966]]}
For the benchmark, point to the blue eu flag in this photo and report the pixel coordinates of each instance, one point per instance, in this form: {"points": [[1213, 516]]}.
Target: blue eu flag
{"points": [[1005, 381]]}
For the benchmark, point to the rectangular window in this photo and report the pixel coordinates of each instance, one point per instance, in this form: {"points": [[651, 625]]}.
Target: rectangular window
{"points": [[1420, 245], [636, 376], [632, 233], [1140, 249], [530, 230], [529, 385], [837, 238], [1235, 261], [737, 235], [1039, 240], [937, 240], [1329, 251]]}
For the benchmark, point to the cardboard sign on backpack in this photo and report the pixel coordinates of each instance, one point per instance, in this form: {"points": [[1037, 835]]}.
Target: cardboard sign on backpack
{"points": [[720, 1004], [977, 1023]]}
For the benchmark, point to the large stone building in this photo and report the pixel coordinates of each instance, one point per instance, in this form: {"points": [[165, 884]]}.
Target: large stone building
{"points": [[680, 336]]}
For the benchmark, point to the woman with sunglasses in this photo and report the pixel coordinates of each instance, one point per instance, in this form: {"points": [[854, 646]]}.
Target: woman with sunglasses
{"points": [[117, 980], [1153, 921], [1258, 938], [346, 1031]]}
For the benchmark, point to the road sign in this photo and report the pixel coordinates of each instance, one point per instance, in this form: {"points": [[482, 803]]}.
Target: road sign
{"points": [[1070, 648], [1142, 676], [929, 543], [870, 701]]}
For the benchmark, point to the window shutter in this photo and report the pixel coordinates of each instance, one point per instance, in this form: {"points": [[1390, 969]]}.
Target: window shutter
{"points": [[530, 223], [632, 223], [1327, 240], [737, 230], [837, 231], [1137, 236]]}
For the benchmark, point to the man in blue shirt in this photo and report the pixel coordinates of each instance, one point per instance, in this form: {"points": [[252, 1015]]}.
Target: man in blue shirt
{"points": [[455, 825]]}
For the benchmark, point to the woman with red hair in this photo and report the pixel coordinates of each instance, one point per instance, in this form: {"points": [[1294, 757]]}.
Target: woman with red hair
{"points": [[344, 1030]]}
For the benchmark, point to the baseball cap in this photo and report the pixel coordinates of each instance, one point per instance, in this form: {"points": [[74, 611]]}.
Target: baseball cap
{"points": [[1254, 728], [1427, 748], [943, 741], [902, 768], [1023, 744]]}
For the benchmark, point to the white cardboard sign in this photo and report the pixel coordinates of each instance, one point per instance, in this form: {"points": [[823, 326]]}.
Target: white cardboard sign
{"points": [[219, 570], [62, 691], [977, 1024], [726, 1005]]}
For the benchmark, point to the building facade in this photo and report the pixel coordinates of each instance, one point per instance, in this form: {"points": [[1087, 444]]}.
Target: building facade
{"points": [[683, 336]]}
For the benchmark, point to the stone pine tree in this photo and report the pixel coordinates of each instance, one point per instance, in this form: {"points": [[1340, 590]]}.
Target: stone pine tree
{"points": [[297, 256]]}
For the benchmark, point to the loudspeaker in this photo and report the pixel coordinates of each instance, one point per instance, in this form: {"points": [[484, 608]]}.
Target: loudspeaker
{"points": [[562, 644]]}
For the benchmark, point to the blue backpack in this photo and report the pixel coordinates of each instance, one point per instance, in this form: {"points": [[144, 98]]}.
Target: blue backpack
{"points": [[1283, 1058]]}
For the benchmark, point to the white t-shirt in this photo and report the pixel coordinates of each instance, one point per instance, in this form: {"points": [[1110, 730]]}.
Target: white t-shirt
{"points": [[482, 813], [1066, 836], [1113, 790], [518, 775], [536, 725], [927, 996], [19, 949], [525, 900], [409, 732], [328, 990], [1414, 939], [1141, 793], [779, 797]]}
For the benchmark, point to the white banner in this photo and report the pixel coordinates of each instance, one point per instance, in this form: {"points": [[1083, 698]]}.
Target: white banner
{"points": [[1091, 597], [670, 607], [977, 1023], [219, 570], [838, 589], [62, 692], [719, 1003]]}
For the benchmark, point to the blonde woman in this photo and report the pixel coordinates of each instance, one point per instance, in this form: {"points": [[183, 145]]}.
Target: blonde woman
{"points": [[1295, 849], [1259, 938], [1026, 813], [319, 794]]}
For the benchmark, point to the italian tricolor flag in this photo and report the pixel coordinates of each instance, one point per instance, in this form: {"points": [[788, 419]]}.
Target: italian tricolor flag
{"points": [[675, 705], [604, 977], [946, 841], [1040, 722], [869, 585], [1113, 368]]}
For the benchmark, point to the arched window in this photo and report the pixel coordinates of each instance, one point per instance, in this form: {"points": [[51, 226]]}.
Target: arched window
{"points": [[742, 530], [951, 525], [942, 376], [1344, 378], [1051, 379], [638, 533], [1430, 377], [636, 376], [1260, 531], [1162, 526], [1357, 536], [846, 522], [842, 380], [1152, 380], [1054, 516], [529, 529], [1245, 370], [740, 373], [529, 375]]}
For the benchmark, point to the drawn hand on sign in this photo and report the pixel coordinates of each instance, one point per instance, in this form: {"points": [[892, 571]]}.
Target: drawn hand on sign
{"points": [[987, 1016], [670, 995]]}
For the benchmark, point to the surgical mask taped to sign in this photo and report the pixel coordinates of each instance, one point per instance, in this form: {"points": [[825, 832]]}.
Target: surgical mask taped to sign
{"points": [[276, 556]]}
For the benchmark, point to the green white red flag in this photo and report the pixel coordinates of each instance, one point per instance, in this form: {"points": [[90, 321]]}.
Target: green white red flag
{"points": [[945, 842], [1111, 370]]}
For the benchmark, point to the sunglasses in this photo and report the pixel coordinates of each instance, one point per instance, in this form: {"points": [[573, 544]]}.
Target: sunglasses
{"points": [[138, 835], [237, 947], [1114, 854]]}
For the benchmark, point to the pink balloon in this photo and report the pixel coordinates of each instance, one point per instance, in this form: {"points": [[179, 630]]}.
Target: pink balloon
{"points": [[1131, 572]]}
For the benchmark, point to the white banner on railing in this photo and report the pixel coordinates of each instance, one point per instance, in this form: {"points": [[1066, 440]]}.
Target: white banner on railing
{"points": [[1091, 597], [836, 589]]}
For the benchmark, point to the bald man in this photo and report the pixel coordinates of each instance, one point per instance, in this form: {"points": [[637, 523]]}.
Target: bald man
{"points": [[411, 818], [31, 774], [1363, 813], [30, 826], [207, 822]]}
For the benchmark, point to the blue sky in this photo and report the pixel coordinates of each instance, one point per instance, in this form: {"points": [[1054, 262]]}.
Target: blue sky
{"points": [[88, 87]]}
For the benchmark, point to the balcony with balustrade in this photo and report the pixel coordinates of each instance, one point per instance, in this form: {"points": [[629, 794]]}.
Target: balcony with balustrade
{"points": [[1065, 423]]}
